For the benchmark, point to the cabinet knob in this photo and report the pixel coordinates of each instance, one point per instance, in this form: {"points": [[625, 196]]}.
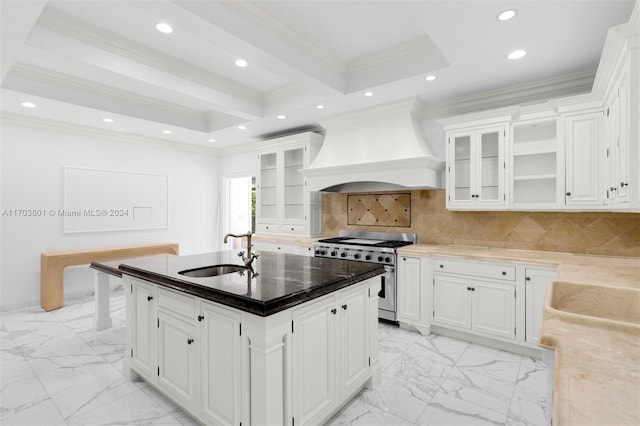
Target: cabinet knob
{"points": [[292, 229], [473, 289], [404, 258], [149, 298], [623, 184], [189, 341], [200, 317], [613, 188], [527, 278], [344, 307], [468, 288], [334, 311], [504, 273], [568, 194], [442, 266]]}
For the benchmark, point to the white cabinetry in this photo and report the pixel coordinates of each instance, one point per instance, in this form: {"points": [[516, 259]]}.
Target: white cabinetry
{"points": [[143, 333], [303, 248], [283, 204], [536, 283], [177, 346], [476, 172], [582, 148], [617, 153], [465, 299], [536, 171], [331, 352], [220, 364], [414, 301]]}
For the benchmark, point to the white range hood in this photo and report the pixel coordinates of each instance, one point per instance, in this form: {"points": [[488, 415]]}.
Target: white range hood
{"points": [[374, 149]]}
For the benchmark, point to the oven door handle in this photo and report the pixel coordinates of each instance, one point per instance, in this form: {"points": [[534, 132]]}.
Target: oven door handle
{"points": [[383, 288]]}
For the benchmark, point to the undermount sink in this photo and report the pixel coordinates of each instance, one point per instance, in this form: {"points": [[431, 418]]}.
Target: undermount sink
{"points": [[212, 271], [610, 303]]}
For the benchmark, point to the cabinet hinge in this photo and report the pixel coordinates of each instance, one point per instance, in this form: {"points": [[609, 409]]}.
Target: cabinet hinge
{"points": [[369, 361], [292, 326], [504, 165], [293, 421], [514, 331], [131, 288], [434, 313], [158, 322], [504, 197], [369, 292], [434, 281], [158, 371], [240, 329], [131, 353], [607, 152], [514, 294]]}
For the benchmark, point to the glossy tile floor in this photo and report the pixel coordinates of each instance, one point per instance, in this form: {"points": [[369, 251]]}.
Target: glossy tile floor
{"points": [[56, 370]]}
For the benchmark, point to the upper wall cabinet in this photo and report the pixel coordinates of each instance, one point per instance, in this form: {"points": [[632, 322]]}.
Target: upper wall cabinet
{"points": [[583, 171], [574, 153], [283, 204], [536, 172], [476, 167]]}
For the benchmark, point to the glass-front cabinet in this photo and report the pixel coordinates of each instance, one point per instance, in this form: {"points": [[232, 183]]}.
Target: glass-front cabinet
{"points": [[284, 206], [477, 168]]}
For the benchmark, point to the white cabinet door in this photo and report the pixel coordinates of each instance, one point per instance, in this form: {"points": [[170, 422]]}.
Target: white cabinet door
{"points": [[409, 289], [582, 161], [220, 365], [451, 304], [314, 361], [354, 339], [493, 309], [177, 359], [536, 283], [144, 329], [476, 161], [267, 196]]}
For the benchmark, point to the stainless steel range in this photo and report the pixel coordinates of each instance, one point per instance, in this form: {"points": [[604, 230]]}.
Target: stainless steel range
{"points": [[374, 247]]}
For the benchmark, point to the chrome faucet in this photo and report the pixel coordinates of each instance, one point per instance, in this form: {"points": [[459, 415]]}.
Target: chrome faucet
{"points": [[250, 257]]}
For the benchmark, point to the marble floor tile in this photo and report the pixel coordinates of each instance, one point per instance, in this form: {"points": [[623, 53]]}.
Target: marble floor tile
{"points": [[56, 369], [445, 410]]}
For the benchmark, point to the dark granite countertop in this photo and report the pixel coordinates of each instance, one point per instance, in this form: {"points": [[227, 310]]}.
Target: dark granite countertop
{"points": [[282, 280]]}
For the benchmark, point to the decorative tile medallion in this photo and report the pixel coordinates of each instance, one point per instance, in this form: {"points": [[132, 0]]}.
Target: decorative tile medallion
{"points": [[379, 209]]}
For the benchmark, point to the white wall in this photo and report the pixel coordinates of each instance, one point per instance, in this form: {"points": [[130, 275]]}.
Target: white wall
{"points": [[32, 178]]}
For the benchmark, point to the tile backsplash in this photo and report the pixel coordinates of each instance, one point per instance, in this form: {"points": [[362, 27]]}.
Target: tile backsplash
{"points": [[603, 233]]}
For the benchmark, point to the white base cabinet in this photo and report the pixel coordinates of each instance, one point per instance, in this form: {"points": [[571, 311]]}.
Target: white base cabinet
{"points": [[225, 366], [483, 307], [495, 303], [537, 281]]}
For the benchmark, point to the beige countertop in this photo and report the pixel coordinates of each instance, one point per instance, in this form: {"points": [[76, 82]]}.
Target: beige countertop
{"points": [[597, 360]]}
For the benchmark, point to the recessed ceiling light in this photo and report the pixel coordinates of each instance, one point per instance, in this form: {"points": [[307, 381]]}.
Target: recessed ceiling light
{"points": [[108, 120], [28, 104], [507, 14], [430, 77], [517, 54], [166, 132], [241, 127], [320, 106], [282, 117], [165, 28], [212, 140], [241, 63], [368, 93]]}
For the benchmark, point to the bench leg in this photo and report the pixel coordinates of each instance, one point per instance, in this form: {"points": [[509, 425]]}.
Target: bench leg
{"points": [[103, 313]]}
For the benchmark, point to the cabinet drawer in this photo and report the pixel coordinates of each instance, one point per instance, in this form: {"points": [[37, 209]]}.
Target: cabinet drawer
{"points": [[267, 228], [476, 269], [294, 229], [176, 302]]}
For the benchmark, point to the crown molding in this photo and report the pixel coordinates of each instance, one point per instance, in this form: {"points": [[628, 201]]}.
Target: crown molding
{"points": [[62, 127], [113, 43], [542, 90], [44, 75], [419, 46]]}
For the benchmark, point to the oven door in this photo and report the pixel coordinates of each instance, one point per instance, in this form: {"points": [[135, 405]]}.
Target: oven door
{"points": [[387, 295]]}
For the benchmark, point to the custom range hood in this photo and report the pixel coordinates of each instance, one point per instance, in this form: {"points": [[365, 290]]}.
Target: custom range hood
{"points": [[374, 149]]}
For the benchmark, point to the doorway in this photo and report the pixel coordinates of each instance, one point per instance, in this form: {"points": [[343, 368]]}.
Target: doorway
{"points": [[239, 208]]}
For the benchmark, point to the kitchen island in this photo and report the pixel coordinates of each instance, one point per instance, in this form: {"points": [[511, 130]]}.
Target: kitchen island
{"points": [[289, 341]]}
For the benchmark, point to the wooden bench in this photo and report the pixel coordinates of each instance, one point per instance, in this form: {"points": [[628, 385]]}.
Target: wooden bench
{"points": [[52, 267]]}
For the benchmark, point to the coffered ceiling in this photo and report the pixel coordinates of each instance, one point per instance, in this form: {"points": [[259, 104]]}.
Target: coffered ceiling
{"points": [[80, 62]]}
